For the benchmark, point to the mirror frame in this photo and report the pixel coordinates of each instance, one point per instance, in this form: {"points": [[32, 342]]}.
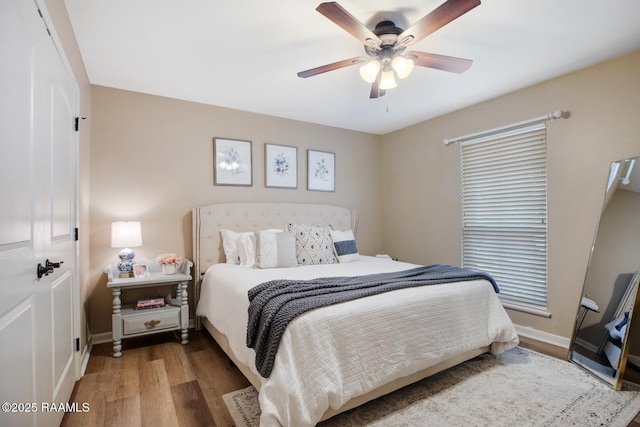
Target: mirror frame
{"points": [[615, 382]]}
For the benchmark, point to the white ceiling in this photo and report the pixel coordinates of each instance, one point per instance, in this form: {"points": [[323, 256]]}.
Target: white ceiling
{"points": [[245, 54]]}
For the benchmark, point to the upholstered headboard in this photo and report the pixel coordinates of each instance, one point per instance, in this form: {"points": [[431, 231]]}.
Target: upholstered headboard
{"points": [[209, 220]]}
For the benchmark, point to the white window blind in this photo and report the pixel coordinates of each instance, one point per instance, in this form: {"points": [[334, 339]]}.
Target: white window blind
{"points": [[504, 213]]}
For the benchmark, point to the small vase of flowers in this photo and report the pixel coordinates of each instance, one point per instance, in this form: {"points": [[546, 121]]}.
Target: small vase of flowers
{"points": [[169, 263]]}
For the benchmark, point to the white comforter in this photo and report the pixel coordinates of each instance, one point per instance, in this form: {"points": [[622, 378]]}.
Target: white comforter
{"points": [[329, 355]]}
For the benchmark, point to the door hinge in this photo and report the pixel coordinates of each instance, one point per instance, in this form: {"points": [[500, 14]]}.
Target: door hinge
{"points": [[46, 27], [75, 234], [76, 123], [77, 344]]}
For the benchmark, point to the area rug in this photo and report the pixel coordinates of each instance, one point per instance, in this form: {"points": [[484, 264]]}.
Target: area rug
{"points": [[518, 388]]}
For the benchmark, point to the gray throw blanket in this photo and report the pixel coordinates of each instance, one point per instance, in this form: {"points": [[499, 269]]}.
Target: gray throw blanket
{"points": [[273, 304]]}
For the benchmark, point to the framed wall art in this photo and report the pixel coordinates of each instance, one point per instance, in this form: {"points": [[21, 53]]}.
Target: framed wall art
{"points": [[280, 166], [232, 162], [321, 170]]}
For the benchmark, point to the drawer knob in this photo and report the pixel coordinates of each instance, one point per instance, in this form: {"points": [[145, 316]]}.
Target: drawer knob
{"points": [[152, 323]]}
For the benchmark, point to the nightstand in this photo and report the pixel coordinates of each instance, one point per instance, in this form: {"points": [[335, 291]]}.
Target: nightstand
{"points": [[128, 322]]}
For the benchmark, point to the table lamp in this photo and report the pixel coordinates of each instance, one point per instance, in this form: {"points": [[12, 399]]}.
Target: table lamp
{"points": [[127, 235]]}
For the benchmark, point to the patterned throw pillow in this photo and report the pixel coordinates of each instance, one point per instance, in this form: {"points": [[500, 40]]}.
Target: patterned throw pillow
{"points": [[313, 244]]}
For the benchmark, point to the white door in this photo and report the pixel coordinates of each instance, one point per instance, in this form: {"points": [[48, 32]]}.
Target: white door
{"points": [[38, 101]]}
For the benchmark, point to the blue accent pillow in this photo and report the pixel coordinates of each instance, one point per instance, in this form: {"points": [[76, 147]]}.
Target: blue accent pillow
{"points": [[344, 246]]}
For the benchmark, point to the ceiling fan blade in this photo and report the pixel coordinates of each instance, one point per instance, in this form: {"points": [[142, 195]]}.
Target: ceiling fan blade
{"points": [[334, 66], [339, 16], [438, 18], [440, 62], [376, 92]]}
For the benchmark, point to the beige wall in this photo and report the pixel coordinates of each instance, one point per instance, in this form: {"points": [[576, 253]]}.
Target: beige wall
{"points": [[152, 160], [58, 13], [421, 210]]}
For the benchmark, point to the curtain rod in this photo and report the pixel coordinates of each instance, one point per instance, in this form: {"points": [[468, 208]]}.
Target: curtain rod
{"points": [[558, 114]]}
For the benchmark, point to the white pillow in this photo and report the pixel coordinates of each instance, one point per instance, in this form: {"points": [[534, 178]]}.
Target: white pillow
{"points": [[247, 250], [276, 249], [230, 244], [344, 246]]}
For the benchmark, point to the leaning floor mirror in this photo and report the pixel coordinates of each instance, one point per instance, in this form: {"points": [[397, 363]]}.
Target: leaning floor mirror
{"points": [[603, 340]]}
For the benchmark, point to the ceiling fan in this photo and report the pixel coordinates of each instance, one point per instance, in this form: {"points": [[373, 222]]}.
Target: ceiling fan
{"points": [[386, 45]]}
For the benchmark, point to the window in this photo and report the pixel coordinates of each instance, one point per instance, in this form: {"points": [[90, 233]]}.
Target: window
{"points": [[504, 214]]}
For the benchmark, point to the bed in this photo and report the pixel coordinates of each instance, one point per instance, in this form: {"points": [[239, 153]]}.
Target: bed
{"points": [[335, 358]]}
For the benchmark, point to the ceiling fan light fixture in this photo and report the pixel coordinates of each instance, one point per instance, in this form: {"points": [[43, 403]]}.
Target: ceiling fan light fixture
{"points": [[387, 81], [402, 66], [386, 44], [369, 71]]}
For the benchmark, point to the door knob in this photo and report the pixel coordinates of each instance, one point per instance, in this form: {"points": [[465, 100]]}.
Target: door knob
{"points": [[43, 271], [49, 264]]}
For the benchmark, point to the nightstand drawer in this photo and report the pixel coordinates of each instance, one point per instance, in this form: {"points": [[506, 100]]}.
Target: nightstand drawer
{"points": [[138, 321]]}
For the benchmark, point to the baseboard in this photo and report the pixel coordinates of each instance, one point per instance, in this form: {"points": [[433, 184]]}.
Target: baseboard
{"points": [[101, 338], [634, 359], [587, 345], [546, 337], [84, 359]]}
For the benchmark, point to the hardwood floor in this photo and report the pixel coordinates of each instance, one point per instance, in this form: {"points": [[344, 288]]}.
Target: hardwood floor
{"points": [[159, 382]]}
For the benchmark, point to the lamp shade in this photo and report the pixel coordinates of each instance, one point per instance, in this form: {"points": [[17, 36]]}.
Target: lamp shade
{"points": [[126, 234], [369, 71], [387, 81], [402, 66]]}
